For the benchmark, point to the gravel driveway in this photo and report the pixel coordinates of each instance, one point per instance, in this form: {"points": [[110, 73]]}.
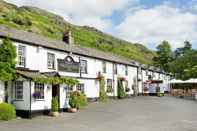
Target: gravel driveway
{"points": [[135, 114]]}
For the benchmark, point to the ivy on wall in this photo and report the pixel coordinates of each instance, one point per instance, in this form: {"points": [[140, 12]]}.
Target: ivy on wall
{"points": [[57, 80], [121, 91], [102, 94]]}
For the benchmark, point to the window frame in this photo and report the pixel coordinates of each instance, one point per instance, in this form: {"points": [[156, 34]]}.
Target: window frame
{"points": [[111, 82], [81, 87], [69, 90], [115, 69], [21, 52], [85, 71], [104, 66], [41, 85], [16, 85], [126, 70], [51, 59]]}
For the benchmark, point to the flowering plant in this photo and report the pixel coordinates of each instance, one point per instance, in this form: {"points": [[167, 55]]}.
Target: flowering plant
{"points": [[36, 94], [100, 76], [122, 78]]}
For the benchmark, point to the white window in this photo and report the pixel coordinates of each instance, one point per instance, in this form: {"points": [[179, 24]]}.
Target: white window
{"points": [[68, 89], [38, 91], [104, 67], [80, 87], [51, 61], [83, 64], [21, 56], [126, 70], [115, 69], [19, 90]]}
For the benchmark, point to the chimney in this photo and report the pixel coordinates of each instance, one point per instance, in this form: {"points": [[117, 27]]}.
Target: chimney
{"points": [[67, 38]]}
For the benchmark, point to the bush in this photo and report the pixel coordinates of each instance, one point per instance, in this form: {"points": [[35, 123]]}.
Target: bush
{"points": [[7, 111], [22, 21], [83, 100], [54, 104], [121, 92], [102, 94], [73, 100], [77, 100]]}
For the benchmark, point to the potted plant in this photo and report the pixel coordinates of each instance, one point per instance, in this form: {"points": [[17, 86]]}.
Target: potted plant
{"points": [[74, 101], [127, 89], [54, 107]]}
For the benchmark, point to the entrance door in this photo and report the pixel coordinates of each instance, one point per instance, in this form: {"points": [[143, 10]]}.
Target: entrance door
{"points": [[56, 92], [6, 92]]}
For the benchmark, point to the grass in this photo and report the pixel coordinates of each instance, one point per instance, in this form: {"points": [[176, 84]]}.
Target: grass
{"points": [[53, 27]]}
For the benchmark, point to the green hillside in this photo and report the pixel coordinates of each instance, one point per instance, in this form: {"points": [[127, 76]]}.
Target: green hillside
{"points": [[52, 26]]}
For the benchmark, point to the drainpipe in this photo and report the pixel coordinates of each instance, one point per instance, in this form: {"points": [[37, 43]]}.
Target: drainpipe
{"points": [[113, 81], [137, 78], [80, 67], [30, 116]]}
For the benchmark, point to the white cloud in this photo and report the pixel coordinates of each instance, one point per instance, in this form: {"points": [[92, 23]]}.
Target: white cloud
{"points": [[157, 24], [82, 12]]}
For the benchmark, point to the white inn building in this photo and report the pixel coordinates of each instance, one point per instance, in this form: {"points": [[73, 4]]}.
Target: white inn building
{"points": [[39, 56]]}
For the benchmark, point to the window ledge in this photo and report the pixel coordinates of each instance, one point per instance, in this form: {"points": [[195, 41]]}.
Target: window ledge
{"points": [[18, 100], [39, 99]]}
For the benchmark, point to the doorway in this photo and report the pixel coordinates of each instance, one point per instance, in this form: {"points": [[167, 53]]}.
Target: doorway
{"points": [[56, 92]]}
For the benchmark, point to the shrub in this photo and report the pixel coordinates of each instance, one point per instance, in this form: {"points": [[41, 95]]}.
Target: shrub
{"points": [[82, 100], [73, 100], [102, 94], [22, 21], [7, 111], [77, 100], [55, 104], [121, 92]]}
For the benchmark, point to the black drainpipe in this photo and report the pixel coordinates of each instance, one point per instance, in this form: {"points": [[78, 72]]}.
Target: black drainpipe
{"points": [[30, 116], [80, 67], [113, 81]]}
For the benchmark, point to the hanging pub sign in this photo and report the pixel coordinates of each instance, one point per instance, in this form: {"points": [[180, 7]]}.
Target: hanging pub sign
{"points": [[68, 65]]}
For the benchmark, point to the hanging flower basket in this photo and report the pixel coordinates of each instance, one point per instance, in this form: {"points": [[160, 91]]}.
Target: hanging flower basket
{"points": [[145, 89], [99, 77], [127, 89], [122, 78], [36, 95]]}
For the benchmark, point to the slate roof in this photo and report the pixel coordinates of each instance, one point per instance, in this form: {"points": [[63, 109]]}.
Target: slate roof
{"points": [[37, 40], [30, 74]]}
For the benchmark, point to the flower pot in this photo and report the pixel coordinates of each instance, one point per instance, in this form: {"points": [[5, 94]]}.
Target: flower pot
{"points": [[127, 89], [54, 114], [72, 110]]}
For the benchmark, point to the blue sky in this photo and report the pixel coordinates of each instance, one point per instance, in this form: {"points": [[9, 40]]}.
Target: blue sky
{"points": [[148, 22]]}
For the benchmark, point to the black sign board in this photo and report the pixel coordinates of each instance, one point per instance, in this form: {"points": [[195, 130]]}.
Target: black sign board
{"points": [[68, 65]]}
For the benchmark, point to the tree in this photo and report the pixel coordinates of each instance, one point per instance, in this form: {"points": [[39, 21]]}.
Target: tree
{"points": [[181, 51], [164, 56], [184, 67], [7, 63], [7, 60]]}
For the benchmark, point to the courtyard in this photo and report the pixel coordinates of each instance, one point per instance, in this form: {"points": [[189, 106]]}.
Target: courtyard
{"points": [[135, 114]]}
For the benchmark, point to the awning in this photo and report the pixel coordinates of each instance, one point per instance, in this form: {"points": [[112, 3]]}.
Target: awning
{"points": [[30, 74], [190, 81]]}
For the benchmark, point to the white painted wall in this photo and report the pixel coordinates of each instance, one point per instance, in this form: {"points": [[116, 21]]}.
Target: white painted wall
{"points": [[42, 104], [25, 103], [2, 93]]}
